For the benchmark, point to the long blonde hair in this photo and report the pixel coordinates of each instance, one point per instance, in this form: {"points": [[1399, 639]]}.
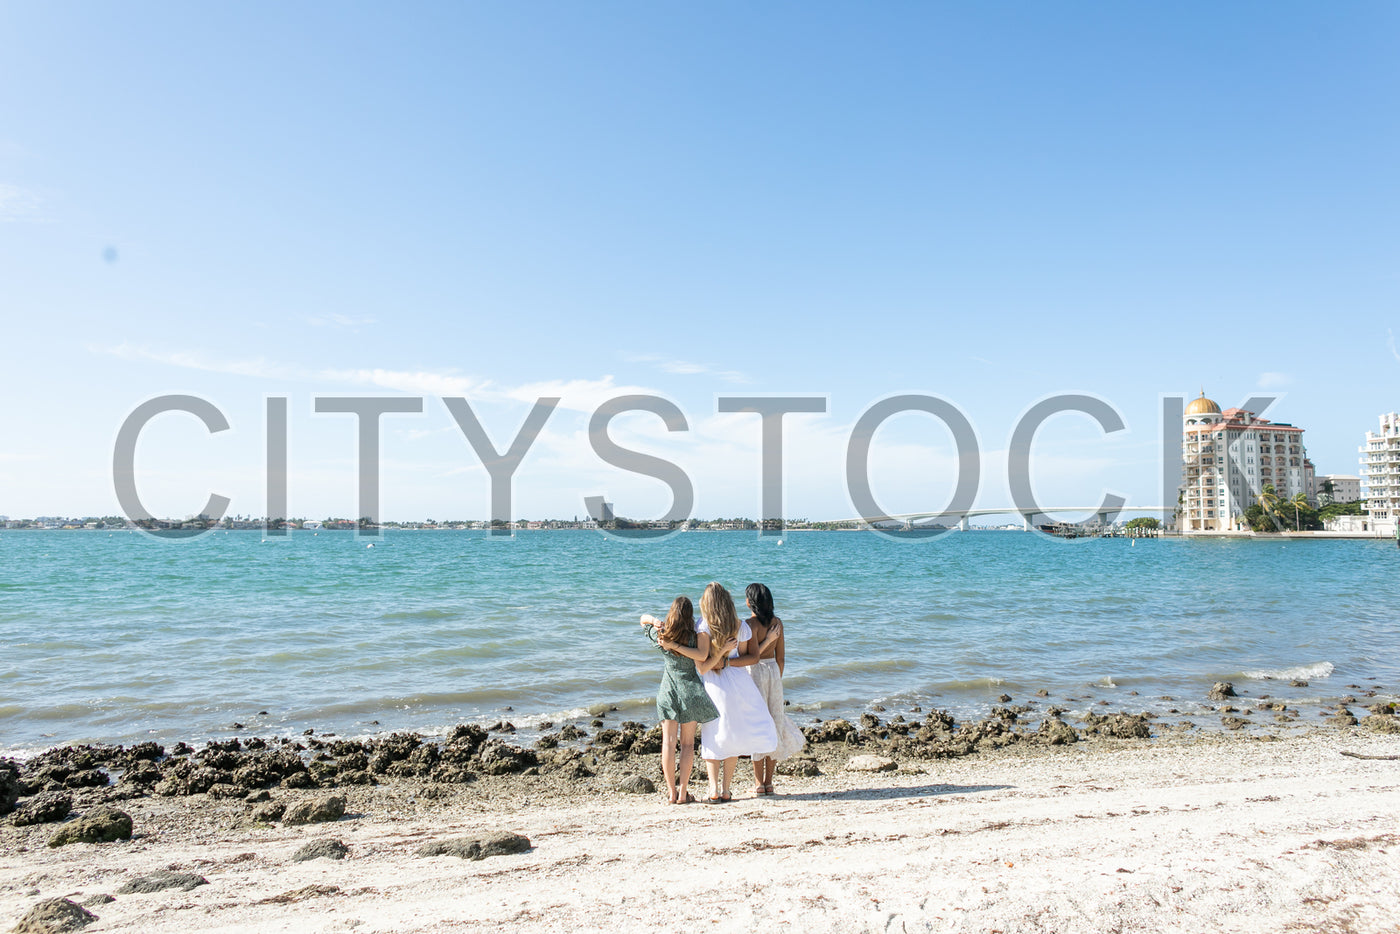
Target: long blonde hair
{"points": [[717, 607]]}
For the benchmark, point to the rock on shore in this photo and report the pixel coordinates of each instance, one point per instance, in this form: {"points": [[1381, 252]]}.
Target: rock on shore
{"points": [[104, 825], [54, 916], [44, 808], [321, 849], [317, 811], [496, 844], [160, 880], [1220, 691]]}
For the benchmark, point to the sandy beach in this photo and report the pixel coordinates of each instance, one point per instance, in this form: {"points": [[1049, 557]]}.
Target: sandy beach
{"points": [[1187, 831]]}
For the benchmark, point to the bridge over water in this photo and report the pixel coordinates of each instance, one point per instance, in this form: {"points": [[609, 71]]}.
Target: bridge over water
{"points": [[1102, 516]]}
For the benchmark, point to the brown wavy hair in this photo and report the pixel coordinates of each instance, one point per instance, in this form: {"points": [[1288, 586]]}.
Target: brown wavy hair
{"points": [[717, 606], [679, 625]]}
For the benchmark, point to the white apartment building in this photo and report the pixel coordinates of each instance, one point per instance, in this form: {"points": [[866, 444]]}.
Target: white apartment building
{"points": [[1380, 474], [1338, 488], [1227, 460]]}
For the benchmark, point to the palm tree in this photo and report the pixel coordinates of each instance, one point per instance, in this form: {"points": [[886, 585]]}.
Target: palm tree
{"points": [[1269, 502], [1298, 501]]}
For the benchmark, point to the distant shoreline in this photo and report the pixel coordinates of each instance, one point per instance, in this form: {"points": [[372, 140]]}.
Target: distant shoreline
{"points": [[1184, 536]]}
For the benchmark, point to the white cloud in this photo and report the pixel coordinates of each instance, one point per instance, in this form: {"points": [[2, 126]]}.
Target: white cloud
{"points": [[418, 434], [685, 367], [17, 204], [1390, 337], [417, 381], [582, 395], [422, 382], [332, 319], [191, 361]]}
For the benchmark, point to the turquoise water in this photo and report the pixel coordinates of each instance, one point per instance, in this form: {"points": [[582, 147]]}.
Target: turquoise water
{"points": [[119, 637]]}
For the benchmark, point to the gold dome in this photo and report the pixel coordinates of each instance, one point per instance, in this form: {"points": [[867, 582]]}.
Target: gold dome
{"points": [[1202, 406]]}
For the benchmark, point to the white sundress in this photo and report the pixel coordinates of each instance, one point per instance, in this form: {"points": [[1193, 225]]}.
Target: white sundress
{"points": [[744, 726]]}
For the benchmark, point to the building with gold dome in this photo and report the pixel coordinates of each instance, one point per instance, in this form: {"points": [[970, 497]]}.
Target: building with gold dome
{"points": [[1228, 458]]}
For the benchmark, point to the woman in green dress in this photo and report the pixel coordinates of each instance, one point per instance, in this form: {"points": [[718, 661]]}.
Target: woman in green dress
{"points": [[681, 702]]}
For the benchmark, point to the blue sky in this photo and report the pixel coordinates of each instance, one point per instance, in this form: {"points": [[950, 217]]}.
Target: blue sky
{"points": [[991, 203]]}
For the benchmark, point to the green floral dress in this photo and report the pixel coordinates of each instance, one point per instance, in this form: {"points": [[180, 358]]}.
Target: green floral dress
{"points": [[681, 696]]}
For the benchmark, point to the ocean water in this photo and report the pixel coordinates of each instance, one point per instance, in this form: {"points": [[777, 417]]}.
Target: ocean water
{"points": [[119, 637]]}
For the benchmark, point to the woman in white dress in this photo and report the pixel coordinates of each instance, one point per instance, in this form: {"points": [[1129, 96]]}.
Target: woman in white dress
{"points": [[767, 674], [744, 726]]}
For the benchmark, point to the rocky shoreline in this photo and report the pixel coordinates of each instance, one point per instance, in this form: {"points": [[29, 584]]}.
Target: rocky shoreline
{"points": [[267, 781], [131, 837]]}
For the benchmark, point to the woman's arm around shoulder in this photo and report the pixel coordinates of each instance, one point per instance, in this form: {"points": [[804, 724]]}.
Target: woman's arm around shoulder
{"points": [[695, 654], [773, 633], [748, 649], [707, 664]]}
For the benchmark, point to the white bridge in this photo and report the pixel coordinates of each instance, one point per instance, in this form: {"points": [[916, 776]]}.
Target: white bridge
{"points": [[1101, 515]]}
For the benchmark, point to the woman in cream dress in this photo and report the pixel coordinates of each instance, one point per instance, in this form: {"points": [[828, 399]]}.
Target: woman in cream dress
{"points": [[767, 674]]}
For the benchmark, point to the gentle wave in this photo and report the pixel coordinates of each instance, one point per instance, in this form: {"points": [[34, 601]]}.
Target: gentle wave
{"points": [[364, 706], [1315, 671], [859, 666], [58, 712], [986, 683], [422, 614]]}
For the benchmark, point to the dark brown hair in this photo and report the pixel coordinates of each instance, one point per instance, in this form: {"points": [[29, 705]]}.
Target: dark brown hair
{"points": [[761, 599]]}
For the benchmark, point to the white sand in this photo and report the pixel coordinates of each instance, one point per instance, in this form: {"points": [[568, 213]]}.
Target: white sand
{"points": [[1213, 833]]}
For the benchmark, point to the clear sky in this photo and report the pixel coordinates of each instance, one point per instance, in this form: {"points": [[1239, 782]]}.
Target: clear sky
{"points": [[986, 202]]}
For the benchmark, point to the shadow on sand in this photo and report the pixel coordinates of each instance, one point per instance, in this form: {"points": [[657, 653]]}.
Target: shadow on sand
{"points": [[879, 794]]}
